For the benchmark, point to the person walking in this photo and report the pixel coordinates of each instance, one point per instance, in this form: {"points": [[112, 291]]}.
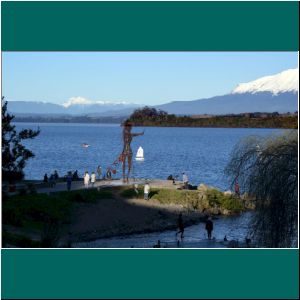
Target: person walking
{"points": [[86, 179], [99, 171], [185, 181], [146, 191], [93, 179], [69, 181], [209, 226], [180, 227]]}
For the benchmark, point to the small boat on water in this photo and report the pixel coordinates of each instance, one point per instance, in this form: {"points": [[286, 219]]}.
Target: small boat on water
{"points": [[140, 154], [85, 145]]}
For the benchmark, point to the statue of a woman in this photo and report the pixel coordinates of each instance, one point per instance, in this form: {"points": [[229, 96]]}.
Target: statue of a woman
{"points": [[127, 152]]}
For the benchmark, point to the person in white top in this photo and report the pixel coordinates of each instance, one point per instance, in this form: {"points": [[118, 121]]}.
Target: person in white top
{"points": [[86, 180], [185, 180], [93, 179], [146, 191]]}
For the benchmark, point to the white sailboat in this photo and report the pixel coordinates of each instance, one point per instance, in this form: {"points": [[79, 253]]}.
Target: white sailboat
{"points": [[140, 154]]}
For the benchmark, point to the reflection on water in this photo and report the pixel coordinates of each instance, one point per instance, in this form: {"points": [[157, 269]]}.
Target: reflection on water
{"points": [[235, 228]]}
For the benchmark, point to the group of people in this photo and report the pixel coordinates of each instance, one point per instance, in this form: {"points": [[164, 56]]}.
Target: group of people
{"points": [[89, 179], [186, 185], [209, 226], [146, 190], [185, 180], [51, 179], [108, 175]]}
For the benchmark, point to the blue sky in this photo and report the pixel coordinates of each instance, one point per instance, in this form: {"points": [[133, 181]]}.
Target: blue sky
{"points": [[134, 77]]}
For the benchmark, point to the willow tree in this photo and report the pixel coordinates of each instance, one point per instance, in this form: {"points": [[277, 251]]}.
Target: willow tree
{"points": [[14, 153], [267, 169]]}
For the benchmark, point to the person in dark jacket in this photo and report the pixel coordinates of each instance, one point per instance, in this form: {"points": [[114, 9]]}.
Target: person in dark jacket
{"points": [[209, 226], [75, 175], [69, 180], [45, 178], [56, 175], [180, 226]]}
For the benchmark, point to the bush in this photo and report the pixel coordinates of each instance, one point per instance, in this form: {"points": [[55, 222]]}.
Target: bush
{"points": [[195, 200], [229, 202], [180, 197]]}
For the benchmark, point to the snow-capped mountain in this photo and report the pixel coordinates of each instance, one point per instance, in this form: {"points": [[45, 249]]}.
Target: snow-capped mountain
{"points": [[83, 101], [74, 106], [275, 93], [286, 81]]}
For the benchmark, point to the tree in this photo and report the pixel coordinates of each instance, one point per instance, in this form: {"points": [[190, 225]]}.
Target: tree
{"points": [[267, 169], [14, 154]]}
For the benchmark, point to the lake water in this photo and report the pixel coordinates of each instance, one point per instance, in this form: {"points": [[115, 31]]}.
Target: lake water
{"points": [[234, 227], [200, 152]]}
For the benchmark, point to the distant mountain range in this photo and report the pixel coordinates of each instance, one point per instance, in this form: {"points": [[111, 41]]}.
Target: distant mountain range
{"points": [[100, 108], [275, 93]]}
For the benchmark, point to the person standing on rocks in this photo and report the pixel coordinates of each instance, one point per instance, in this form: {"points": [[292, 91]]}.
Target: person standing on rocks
{"points": [[209, 226]]}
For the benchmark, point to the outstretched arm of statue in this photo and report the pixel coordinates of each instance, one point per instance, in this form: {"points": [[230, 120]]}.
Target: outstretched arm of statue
{"points": [[137, 134]]}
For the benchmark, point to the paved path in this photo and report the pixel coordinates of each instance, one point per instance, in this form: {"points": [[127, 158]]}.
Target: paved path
{"points": [[78, 185]]}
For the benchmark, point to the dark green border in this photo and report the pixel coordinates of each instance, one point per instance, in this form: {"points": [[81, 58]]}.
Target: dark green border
{"points": [[156, 26], [150, 26], [183, 274]]}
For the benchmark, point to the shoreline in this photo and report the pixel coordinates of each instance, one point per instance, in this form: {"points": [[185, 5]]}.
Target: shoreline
{"points": [[158, 126], [90, 237], [111, 209]]}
